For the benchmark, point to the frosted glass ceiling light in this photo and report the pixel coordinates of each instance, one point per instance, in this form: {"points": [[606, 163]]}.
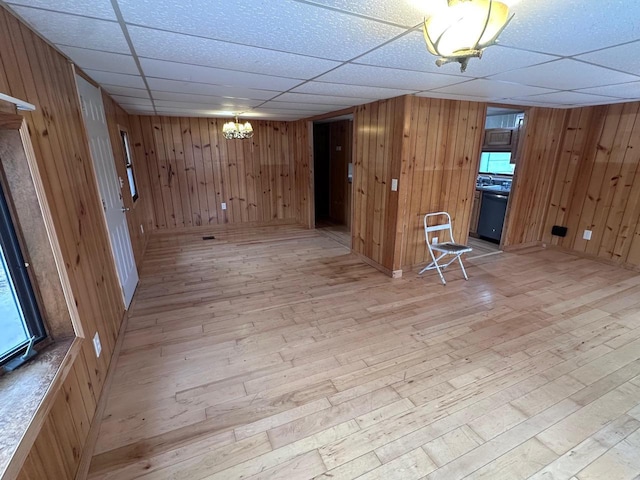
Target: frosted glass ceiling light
{"points": [[236, 130], [464, 29]]}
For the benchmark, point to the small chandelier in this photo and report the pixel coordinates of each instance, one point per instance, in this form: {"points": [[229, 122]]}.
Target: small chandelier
{"points": [[464, 29], [237, 131]]}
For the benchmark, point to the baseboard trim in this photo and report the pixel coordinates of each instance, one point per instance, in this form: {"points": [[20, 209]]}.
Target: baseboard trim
{"points": [[606, 261], [94, 430], [387, 271], [521, 246]]}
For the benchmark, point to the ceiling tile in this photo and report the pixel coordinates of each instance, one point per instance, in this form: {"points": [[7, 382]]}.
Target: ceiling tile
{"points": [[127, 91], [571, 27], [322, 99], [341, 90], [205, 89], [116, 79], [410, 53], [565, 74], [138, 110], [406, 13], [132, 101], [94, 8], [151, 43], [74, 31], [569, 98], [388, 78], [622, 90], [278, 111], [622, 57], [106, 61], [222, 114], [223, 104], [454, 96], [310, 107], [492, 89], [214, 76], [277, 24], [209, 99]]}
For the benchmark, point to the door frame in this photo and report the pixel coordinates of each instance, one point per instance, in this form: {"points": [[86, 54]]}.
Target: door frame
{"points": [[347, 114], [77, 74]]}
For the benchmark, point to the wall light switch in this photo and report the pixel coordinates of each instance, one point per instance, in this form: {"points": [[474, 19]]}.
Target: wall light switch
{"points": [[587, 235], [339, 148], [224, 206], [96, 344], [434, 240], [394, 184]]}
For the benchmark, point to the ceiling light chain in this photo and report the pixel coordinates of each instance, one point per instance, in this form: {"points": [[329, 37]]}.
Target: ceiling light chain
{"points": [[464, 29], [237, 131]]}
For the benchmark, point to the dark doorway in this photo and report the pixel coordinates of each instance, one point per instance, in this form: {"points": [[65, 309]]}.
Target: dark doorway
{"points": [[332, 147]]}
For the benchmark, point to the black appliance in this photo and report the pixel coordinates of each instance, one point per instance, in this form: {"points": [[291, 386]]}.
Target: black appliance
{"points": [[492, 213]]}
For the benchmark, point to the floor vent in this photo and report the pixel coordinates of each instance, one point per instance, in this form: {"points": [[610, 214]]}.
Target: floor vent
{"points": [[209, 237]]}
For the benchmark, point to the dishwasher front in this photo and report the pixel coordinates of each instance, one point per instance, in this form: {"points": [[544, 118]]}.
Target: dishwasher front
{"points": [[492, 213]]}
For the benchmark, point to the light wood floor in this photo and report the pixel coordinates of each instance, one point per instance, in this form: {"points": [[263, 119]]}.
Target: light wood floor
{"points": [[274, 354], [340, 233], [482, 247]]}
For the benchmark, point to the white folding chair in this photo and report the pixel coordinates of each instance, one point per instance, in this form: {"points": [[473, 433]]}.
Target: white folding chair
{"points": [[443, 248]]}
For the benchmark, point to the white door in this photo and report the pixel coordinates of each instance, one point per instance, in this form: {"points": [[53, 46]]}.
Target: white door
{"points": [[110, 186]]}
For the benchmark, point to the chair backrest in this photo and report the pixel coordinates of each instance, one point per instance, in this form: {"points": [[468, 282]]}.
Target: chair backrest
{"points": [[438, 226]]}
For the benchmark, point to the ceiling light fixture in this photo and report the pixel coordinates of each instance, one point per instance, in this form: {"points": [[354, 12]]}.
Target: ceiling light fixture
{"points": [[464, 29], [237, 131]]}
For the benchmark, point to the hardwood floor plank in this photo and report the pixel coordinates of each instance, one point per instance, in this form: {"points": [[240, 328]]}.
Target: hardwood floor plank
{"points": [[272, 352]]}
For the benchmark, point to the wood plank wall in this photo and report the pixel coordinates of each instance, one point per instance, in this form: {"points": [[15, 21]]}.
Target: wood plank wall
{"points": [[300, 147], [377, 159], [33, 71], [193, 169], [597, 184], [444, 143], [532, 185]]}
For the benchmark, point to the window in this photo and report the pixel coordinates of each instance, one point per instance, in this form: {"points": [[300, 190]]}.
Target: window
{"points": [[129, 164], [20, 319], [497, 163]]}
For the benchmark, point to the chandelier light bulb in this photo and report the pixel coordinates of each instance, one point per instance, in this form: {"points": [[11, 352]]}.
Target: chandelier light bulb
{"points": [[464, 29], [237, 131]]}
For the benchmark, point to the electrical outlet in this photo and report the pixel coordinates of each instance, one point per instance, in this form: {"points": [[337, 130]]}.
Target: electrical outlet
{"points": [[224, 206], [587, 235], [394, 184], [141, 229], [434, 240], [96, 344]]}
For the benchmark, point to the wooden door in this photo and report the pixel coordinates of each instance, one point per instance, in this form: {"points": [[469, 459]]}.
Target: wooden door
{"points": [[110, 186]]}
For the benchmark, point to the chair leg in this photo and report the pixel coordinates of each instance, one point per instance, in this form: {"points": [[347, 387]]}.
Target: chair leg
{"points": [[464, 272], [433, 264], [444, 282]]}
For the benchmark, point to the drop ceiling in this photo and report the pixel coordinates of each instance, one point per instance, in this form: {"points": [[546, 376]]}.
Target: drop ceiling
{"points": [[291, 59]]}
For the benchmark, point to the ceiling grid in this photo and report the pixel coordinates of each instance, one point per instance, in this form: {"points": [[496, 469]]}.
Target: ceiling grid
{"points": [[291, 59]]}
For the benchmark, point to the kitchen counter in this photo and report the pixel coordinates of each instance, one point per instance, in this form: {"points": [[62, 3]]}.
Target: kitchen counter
{"points": [[493, 189]]}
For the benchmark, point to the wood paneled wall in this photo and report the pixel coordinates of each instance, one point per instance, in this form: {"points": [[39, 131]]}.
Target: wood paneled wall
{"points": [[193, 169], [534, 175], [33, 71], [432, 147], [300, 147], [444, 143], [597, 183], [377, 159]]}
